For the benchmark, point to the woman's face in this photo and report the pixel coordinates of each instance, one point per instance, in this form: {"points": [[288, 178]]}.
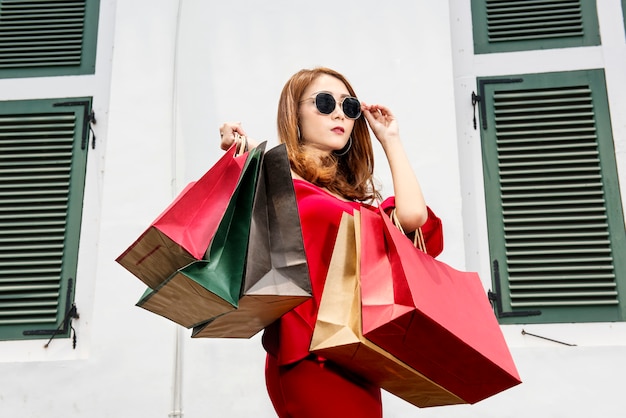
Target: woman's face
{"points": [[322, 133]]}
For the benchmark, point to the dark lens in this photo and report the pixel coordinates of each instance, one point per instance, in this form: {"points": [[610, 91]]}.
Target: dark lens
{"points": [[351, 107], [325, 103]]}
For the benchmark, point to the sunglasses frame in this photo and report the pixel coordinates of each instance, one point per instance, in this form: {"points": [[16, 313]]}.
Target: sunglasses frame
{"points": [[335, 103]]}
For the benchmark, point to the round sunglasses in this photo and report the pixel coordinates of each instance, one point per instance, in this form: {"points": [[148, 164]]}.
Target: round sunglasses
{"points": [[326, 104]]}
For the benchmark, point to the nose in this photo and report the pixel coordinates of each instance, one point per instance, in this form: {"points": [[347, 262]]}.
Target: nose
{"points": [[338, 112]]}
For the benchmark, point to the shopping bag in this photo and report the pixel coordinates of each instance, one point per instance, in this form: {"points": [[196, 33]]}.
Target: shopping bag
{"points": [[182, 233], [277, 276], [209, 287], [337, 334], [435, 318]]}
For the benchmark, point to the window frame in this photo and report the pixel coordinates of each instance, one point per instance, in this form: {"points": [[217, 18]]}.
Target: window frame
{"points": [[493, 199], [80, 109], [88, 49], [482, 44]]}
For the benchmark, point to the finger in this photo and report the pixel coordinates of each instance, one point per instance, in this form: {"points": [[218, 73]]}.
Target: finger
{"points": [[236, 128], [368, 115], [374, 116], [225, 145], [225, 139], [380, 109]]}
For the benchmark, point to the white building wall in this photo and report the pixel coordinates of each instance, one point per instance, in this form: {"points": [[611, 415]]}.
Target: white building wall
{"points": [[176, 71]]}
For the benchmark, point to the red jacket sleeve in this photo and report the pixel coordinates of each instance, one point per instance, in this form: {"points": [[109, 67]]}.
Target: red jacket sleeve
{"points": [[432, 230]]}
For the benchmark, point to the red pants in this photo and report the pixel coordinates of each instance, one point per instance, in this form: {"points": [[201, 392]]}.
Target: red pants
{"points": [[312, 389]]}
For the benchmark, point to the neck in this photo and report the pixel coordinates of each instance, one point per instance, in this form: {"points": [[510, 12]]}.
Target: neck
{"points": [[316, 153]]}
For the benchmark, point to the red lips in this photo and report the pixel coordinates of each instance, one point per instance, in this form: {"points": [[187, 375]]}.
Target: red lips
{"points": [[338, 130]]}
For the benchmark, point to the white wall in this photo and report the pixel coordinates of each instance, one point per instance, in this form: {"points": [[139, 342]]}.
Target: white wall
{"points": [[177, 70]]}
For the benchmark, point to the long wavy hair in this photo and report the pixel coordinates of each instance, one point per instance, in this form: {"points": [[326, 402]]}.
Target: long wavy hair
{"points": [[349, 175]]}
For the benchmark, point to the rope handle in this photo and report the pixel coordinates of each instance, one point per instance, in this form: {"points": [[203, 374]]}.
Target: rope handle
{"points": [[242, 144], [418, 237]]}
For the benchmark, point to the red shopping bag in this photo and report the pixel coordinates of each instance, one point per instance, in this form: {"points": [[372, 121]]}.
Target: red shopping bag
{"points": [[435, 318], [338, 336], [183, 232]]}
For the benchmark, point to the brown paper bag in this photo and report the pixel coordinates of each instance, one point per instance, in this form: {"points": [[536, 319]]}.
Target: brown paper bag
{"points": [[338, 334], [277, 275]]}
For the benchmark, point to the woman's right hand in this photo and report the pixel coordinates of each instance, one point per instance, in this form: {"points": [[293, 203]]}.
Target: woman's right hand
{"points": [[229, 133]]}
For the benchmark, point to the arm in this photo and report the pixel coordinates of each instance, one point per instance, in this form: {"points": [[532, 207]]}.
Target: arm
{"points": [[410, 205]]}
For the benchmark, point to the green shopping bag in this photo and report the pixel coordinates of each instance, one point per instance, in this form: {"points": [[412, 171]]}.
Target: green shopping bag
{"points": [[211, 287]]}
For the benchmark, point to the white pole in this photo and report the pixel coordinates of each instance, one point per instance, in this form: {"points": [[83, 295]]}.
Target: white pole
{"points": [[177, 374], [177, 393]]}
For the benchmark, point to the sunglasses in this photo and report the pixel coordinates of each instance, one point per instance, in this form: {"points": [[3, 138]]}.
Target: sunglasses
{"points": [[326, 104]]}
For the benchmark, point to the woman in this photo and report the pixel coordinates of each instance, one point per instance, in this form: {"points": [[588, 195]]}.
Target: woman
{"points": [[325, 129]]}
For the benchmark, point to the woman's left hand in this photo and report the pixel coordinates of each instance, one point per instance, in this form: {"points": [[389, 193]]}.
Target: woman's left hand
{"points": [[382, 122]]}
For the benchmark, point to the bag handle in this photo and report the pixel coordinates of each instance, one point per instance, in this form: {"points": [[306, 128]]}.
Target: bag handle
{"points": [[418, 237], [242, 144]]}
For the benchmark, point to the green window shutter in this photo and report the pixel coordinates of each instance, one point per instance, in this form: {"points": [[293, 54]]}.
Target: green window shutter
{"points": [[41, 38], [555, 221], [521, 25], [43, 158]]}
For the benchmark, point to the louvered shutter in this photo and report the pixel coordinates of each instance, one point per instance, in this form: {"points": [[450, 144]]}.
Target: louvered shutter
{"points": [[47, 37], [42, 175], [556, 226], [517, 25]]}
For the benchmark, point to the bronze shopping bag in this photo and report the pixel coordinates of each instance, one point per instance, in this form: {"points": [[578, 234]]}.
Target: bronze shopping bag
{"points": [[277, 275], [338, 336]]}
